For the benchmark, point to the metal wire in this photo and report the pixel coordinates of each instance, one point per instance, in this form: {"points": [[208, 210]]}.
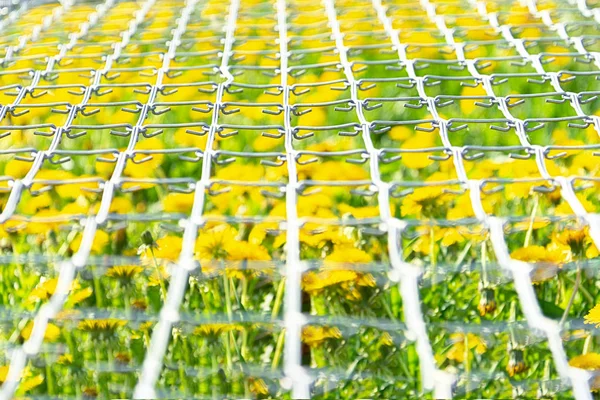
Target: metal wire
{"points": [[212, 120]]}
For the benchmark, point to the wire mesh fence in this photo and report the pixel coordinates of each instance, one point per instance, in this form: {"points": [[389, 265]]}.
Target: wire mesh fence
{"points": [[291, 198]]}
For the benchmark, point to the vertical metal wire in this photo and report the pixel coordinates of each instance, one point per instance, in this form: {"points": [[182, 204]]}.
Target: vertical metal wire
{"points": [[432, 377], [67, 271], [407, 275], [293, 317], [153, 362]]}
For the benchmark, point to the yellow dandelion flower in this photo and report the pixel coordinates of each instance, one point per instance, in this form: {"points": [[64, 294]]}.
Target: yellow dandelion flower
{"points": [[51, 334], [316, 335], [518, 190], [461, 342], [158, 277], [17, 169], [536, 224], [343, 254], [366, 280], [68, 315], [65, 359], [105, 169], [417, 160], [238, 172], [147, 168], [464, 209], [338, 171], [77, 296], [563, 209], [44, 290], [146, 326], [100, 241], [178, 202], [423, 242], [589, 361], [592, 251], [237, 251], [314, 282], [330, 145], [585, 163], [593, 316], [79, 206], [317, 236], [467, 106], [258, 386], [27, 382], [214, 243], [167, 248], [452, 236], [400, 132], [104, 327], [576, 239], [359, 212], [535, 254], [124, 273], [424, 201], [185, 139], [36, 203], [74, 190], [30, 383], [118, 205], [546, 261], [386, 339], [312, 204], [51, 174], [317, 117], [264, 143], [216, 329], [242, 251], [258, 234]]}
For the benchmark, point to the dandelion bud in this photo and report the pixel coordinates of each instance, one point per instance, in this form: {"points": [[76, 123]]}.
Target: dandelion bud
{"points": [[516, 362], [487, 302], [147, 238], [90, 392], [122, 358], [119, 240], [140, 304]]}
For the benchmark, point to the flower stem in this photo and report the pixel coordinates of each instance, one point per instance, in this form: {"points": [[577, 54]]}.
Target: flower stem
{"points": [[278, 350], [484, 276], [584, 291], [49, 376], [466, 355], [432, 256], [244, 296], [531, 221], [572, 298], [587, 344], [227, 289], [163, 289], [98, 291], [278, 299], [228, 360], [216, 383]]}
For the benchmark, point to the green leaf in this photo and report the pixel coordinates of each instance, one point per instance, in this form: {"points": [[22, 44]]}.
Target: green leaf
{"points": [[551, 309]]}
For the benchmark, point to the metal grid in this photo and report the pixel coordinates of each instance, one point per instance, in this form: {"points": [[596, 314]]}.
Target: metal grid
{"points": [[345, 21]]}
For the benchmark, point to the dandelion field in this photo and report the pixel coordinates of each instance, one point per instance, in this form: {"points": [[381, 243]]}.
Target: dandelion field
{"points": [[300, 199]]}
